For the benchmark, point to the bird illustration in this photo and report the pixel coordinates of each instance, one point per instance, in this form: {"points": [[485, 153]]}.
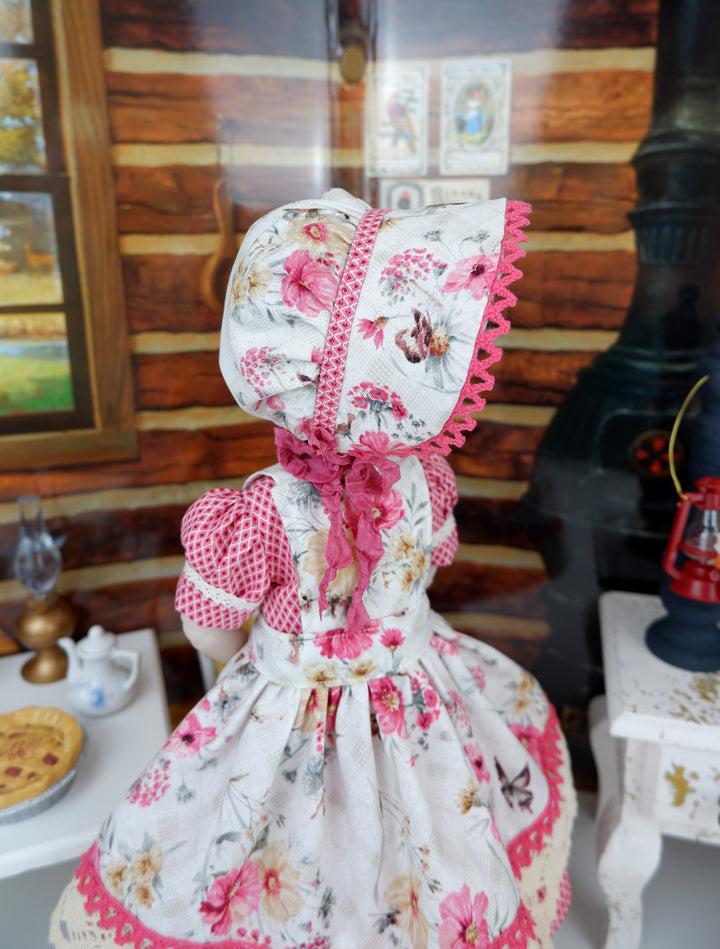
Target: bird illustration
{"points": [[401, 121]]}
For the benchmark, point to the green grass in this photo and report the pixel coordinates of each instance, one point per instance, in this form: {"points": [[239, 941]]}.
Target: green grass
{"points": [[30, 385]]}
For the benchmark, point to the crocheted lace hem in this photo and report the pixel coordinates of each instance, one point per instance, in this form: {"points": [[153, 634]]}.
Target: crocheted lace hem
{"points": [[521, 848], [112, 919], [494, 324]]}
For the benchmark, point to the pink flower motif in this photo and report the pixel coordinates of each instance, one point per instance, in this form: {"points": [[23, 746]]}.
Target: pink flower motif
{"points": [[231, 898], [463, 924], [189, 737], [425, 719], [430, 697], [475, 274], [343, 643], [310, 285], [388, 705], [478, 674], [275, 403], [531, 737], [373, 329], [392, 638], [443, 646], [474, 753]]}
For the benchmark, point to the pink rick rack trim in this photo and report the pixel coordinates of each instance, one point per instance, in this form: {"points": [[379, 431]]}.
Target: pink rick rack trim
{"points": [[128, 931], [494, 324], [521, 849]]}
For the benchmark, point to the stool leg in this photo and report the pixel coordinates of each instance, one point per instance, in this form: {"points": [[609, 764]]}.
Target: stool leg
{"points": [[628, 845]]}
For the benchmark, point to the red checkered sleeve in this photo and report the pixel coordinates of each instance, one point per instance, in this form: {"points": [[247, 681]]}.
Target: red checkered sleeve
{"points": [[443, 498], [234, 546]]}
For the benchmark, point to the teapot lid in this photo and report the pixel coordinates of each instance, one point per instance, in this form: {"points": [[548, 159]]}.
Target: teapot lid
{"points": [[96, 643]]}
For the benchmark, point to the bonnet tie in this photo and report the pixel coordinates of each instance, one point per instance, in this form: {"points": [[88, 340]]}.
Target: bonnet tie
{"points": [[362, 479]]}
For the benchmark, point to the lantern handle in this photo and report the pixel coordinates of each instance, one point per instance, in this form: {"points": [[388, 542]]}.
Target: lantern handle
{"points": [[673, 434]]}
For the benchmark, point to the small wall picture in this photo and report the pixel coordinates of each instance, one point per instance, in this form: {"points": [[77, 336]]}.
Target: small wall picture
{"points": [[408, 195], [475, 117], [396, 121]]}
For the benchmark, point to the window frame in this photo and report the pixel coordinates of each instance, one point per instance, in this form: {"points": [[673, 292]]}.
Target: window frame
{"points": [[84, 124]]}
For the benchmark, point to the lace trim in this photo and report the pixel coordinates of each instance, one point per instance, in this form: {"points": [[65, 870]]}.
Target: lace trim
{"points": [[443, 532], [564, 901], [128, 931], [521, 849], [216, 595], [479, 379], [334, 355]]}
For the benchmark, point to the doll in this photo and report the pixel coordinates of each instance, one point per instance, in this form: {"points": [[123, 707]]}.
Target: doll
{"points": [[360, 776]]}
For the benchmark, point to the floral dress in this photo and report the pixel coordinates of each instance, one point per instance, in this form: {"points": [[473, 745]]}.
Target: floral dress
{"points": [[402, 786]]}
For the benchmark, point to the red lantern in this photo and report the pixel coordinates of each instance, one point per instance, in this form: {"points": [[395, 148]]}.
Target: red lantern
{"points": [[697, 538]]}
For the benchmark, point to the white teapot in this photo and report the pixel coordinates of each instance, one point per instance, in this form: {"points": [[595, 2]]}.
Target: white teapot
{"points": [[102, 679]]}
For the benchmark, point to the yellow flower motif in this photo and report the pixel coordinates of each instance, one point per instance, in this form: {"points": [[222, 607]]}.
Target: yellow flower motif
{"points": [[146, 865], [116, 875], [314, 563], [320, 237], [402, 547], [407, 578], [250, 283], [281, 898], [469, 797], [320, 672], [419, 563], [144, 895], [312, 707], [403, 895], [362, 668]]}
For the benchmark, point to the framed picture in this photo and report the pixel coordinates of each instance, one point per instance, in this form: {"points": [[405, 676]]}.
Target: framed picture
{"points": [[475, 117], [396, 121], [409, 194]]}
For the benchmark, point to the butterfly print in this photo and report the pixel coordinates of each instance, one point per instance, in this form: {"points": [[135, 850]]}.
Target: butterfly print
{"points": [[415, 343], [516, 791]]}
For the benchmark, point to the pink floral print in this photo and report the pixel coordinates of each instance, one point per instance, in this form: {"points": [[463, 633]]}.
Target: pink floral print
{"points": [[343, 643], [189, 737], [278, 879], [406, 270], [389, 707], [475, 274], [310, 285], [463, 924], [373, 329], [232, 898], [377, 399], [477, 760]]}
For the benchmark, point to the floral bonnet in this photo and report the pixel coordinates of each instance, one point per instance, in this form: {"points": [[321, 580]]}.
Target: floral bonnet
{"points": [[357, 322]]}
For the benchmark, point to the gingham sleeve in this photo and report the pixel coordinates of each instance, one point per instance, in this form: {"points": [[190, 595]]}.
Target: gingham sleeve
{"points": [[443, 498], [228, 567]]}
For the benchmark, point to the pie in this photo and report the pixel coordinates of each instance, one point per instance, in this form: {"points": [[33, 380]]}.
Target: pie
{"points": [[38, 746]]}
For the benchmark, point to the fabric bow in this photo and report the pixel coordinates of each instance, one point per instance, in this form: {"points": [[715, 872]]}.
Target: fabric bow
{"points": [[363, 479]]}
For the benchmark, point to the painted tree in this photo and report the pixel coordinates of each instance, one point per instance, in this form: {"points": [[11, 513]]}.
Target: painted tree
{"points": [[21, 142]]}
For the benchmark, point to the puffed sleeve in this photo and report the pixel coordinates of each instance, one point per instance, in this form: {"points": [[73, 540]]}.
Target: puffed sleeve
{"points": [[226, 573], [443, 498]]}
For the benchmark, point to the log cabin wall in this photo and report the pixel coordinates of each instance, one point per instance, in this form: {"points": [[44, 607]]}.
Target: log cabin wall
{"points": [[206, 88]]}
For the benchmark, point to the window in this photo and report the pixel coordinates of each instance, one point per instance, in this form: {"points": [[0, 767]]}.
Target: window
{"points": [[65, 386]]}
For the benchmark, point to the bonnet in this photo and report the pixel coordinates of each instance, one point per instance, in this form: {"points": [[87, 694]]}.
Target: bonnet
{"points": [[352, 321], [367, 335]]}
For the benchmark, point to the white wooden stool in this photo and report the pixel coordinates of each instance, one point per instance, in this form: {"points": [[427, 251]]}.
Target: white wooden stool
{"points": [[656, 741]]}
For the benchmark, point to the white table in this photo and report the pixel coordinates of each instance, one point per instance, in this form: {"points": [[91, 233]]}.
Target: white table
{"points": [[656, 740], [119, 746]]}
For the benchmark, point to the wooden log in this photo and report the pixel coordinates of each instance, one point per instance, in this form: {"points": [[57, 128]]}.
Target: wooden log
{"points": [[177, 380], [162, 292], [418, 28], [166, 457], [492, 521], [176, 199], [536, 378], [581, 289], [594, 106], [507, 591], [497, 451], [107, 536]]}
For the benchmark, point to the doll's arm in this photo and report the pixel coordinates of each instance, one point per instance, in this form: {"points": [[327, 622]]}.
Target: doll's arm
{"points": [[218, 644]]}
